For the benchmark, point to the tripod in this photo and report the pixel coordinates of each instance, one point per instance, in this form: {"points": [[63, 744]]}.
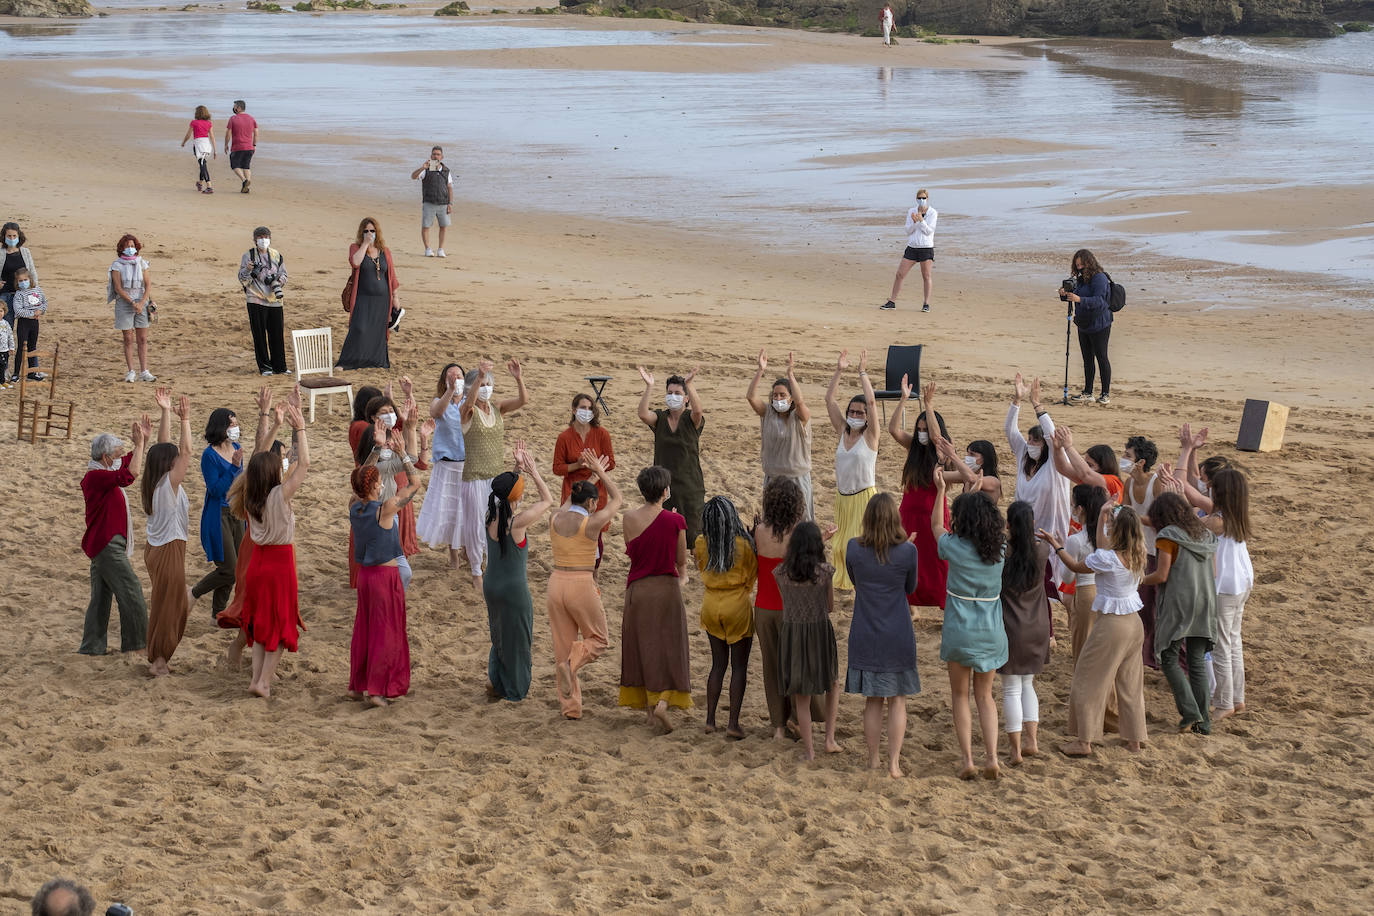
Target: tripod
{"points": [[1068, 332]]}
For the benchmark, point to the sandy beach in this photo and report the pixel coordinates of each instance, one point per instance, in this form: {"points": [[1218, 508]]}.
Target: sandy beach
{"points": [[185, 795]]}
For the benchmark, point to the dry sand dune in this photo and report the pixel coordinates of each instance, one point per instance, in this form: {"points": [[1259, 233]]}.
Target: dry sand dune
{"points": [[184, 795]]}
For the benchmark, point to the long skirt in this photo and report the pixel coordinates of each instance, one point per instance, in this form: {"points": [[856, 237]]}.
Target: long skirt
{"points": [[472, 528], [379, 658], [1111, 658], [849, 516], [271, 612], [167, 605], [231, 617], [653, 645], [441, 513]]}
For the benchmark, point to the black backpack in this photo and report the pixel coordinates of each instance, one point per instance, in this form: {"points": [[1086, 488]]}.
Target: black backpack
{"points": [[1116, 294]]}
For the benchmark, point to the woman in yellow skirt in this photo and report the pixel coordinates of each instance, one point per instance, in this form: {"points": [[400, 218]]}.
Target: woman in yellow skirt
{"points": [[856, 458]]}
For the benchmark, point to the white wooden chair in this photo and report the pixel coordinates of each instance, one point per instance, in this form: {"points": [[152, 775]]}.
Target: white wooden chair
{"points": [[314, 349]]}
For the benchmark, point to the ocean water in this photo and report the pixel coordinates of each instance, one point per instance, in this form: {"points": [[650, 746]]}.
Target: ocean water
{"points": [[819, 158], [1352, 52]]}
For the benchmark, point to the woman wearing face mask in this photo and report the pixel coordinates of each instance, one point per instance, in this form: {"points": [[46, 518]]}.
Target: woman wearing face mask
{"points": [[391, 444], [785, 430], [1098, 468], [1038, 481], [920, 494], [484, 436], [131, 292], [677, 444], [220, 531], [262, 274], [16, 257], [1197, 476], [199, 135], [441, 513], [1093, 315], [856, 460], [373, 301], [165, 551], [977, 467], [920, 249], [584, 434]]}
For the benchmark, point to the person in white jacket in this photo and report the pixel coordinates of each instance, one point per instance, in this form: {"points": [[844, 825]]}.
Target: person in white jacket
{"points": [[920, 249]]}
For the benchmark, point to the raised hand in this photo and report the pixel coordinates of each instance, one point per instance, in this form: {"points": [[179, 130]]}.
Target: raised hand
{"points": [[387, 391], [928, 393], [513, 367], [184, 407], [485, 366], [906, 387], [237, 458], [379, 432], [687, 379], [451, 377], [293, 411], [791, 362], [1200, 438], [1019, 387], [1035, 390], [136, 433], [279, 413], [842, 363], [407, 387], [264, 399], [939, 481], [1063, 437], [974, 485], [163, 397], [145, 426], [1185, 436], [647, 376], [427, 431], [293, 399], [763, 360], [863, 360]]}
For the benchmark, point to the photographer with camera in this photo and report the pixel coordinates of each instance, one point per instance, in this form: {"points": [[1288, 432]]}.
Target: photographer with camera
{"points": [[263, 278], [1088, 288], [436, 199]]}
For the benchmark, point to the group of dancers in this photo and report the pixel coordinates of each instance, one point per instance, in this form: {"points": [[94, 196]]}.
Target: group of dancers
{"points": [[1149, 559]]}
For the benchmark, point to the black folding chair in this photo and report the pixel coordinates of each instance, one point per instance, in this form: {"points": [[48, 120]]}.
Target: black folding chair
{"points": [[901, 360]]}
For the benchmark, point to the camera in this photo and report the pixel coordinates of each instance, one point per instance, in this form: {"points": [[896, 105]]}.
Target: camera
{"points": [[119, 909], [277, 291], [1068, 286]]}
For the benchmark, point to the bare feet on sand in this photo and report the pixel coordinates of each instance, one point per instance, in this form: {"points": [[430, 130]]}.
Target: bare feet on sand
{"points": [[1133, 747], [779, 734], [562, 673], [259, 690], [493, 694], [804, 757], [969, 771], [1076, 749], [710, 728], [734, 733], [833, 747], [991, 771], [1227, 713], [374, 700], [660, 713], [895, 772]]}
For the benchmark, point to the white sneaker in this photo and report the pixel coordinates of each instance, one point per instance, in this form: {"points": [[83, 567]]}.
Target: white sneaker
{"points": [[146, 376], [429, 252], [132, 376], [440, 253]]}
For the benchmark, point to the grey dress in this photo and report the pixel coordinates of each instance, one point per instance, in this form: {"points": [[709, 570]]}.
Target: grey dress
{"points": [[808, 658]]}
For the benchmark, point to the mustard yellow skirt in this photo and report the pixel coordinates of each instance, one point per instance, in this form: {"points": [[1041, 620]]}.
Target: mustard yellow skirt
{"points": [[849, 517]]}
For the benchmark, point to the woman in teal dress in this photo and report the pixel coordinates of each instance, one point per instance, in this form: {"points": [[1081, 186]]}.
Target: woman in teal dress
{"points": [[973, 642], [506, 586]]}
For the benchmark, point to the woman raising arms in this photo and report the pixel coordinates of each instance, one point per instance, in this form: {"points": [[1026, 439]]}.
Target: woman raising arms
{"points": [[856, 460], [784, 430]]}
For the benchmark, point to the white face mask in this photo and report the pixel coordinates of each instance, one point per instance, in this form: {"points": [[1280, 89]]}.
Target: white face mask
{"points": [[233, 434], [388, 419], [923, 437], [285, 465], [1203, 488], [971, 461], [1127, 466], [584, 415], [781, 405], [264, 244], [458, 388], [484, 392], [674, 401], [1034, 451], [922, 202], [384, 454], [855, 422], [130, 251]]}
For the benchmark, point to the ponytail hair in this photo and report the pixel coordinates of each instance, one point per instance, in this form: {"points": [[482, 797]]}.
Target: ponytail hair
{"points": [[1128, 540], [498, 506]]}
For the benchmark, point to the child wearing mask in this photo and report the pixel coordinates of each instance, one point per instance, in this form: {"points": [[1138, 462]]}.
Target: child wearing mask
{"points": [[29, 304]]}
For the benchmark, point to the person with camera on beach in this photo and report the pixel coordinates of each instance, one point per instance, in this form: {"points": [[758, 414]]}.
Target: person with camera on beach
{"points": [[1088, 287], [262, 274], [436, 198], [920, 249]]}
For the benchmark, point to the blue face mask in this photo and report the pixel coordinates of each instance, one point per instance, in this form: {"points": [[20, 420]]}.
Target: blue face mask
{"points": [[24, 284], [12, 242], [130, 252]]}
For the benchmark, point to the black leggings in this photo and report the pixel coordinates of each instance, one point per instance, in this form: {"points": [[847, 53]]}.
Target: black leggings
{"points": [[25, 336], [1094, 347], [736, 655], [204, 168]]}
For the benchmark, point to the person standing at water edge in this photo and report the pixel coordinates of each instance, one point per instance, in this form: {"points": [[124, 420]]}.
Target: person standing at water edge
{"points": [[262, 274], [240, 142], [920, 249], [1093, 314], [885, 21], [436, 198]]}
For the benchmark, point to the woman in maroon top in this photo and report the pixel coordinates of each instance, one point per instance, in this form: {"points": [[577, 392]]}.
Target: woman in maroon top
{"points": [[109, 544], [653, 638]]}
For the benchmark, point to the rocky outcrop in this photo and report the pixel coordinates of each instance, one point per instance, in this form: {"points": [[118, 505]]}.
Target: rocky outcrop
{"points": [[47, 9], [1114, 18]]}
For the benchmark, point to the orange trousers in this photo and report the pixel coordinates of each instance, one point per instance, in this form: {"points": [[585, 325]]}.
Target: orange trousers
{"points": [[575, 610]]}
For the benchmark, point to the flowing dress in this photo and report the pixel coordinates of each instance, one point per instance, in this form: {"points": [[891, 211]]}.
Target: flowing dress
{"points": [[808, 657], [653, 636], [379, 655], [510, 617], [365, 346], [931, 569]]}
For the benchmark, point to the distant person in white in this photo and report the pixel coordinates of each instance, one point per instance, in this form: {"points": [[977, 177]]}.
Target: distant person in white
{"points": [[885, 20], [920, 249]]}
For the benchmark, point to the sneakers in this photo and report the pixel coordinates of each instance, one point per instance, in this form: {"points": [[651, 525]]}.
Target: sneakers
{"points": [[209, 190], [429, 252], [265, 373], [1105, 400], [440, 253], [38, 376], [131, 376], [925, 306], [888, 306], [200, 186], [1081, 397], [396, 320], [145, 376], [244, 188]]}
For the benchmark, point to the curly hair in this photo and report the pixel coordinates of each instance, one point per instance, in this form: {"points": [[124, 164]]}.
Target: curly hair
{"points": [[1089, 261], [127, 237], [974, 517], [1170, 509], [805, 553], [783, 505], [1144, 450]]}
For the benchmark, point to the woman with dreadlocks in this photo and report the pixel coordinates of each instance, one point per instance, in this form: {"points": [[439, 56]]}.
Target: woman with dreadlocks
{"points": [[729, 567], [506, 586]]}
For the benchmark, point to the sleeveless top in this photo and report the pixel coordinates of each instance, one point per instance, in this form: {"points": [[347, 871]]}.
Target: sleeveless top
{"points": [[854, 467], [373, 545], [278, 524], [168, 521], [769, 598], [485, 441], [448, 434], [575, 549], [654, 551], [679, 450], [1141, 509], [785, 444]]}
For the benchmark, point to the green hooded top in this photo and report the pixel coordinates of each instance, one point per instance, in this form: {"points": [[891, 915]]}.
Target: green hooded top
{"points": [[1186, 603]]}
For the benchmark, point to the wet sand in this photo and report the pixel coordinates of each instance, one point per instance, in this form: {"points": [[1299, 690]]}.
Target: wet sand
{"points": [[185, 795]]}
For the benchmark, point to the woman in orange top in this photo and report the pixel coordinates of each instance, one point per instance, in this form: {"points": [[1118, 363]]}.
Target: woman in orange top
{"points": [[1098, 468], [584, 433]]}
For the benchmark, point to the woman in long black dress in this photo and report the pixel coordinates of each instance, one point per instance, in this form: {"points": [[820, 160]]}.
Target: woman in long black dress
{"points": [[374, 298]]}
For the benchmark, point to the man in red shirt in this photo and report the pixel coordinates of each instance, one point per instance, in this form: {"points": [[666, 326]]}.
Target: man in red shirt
{"points": [[109, 543], [240, 140]]}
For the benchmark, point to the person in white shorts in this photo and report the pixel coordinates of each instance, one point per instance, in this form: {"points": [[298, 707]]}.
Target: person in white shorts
{"points": [[436, 198]]}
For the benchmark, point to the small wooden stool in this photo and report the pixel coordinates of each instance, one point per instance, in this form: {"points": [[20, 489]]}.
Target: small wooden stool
{"points": [[599, 390]]}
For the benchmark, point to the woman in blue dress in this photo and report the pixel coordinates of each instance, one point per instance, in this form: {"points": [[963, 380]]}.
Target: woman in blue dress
{"points": [[973, 641], [220, 531]]}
